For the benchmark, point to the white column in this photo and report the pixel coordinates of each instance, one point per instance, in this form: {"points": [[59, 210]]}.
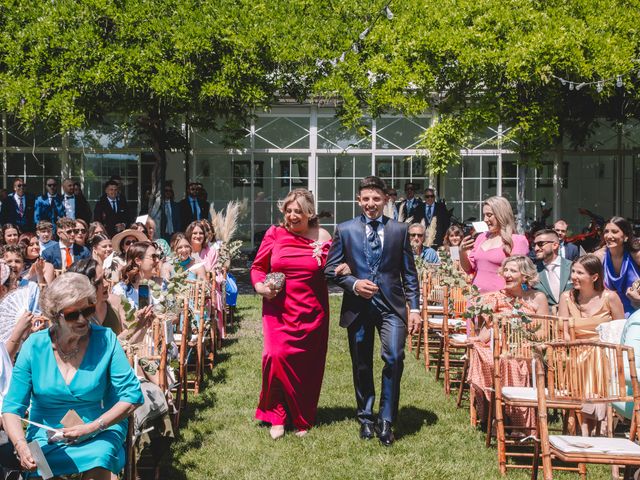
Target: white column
{"points": [[313, 156]]}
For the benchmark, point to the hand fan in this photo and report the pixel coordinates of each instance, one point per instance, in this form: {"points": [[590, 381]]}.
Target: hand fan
{"points": [[11, 307]]}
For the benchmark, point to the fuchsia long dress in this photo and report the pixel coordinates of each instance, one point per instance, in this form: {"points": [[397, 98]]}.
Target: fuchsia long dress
{"points": [[295, 326]]}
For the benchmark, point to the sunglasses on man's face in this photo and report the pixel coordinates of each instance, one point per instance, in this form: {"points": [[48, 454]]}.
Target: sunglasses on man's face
{"points": [[71, 231], [74, 315], [416, 235], [20, 185], [51, 185], [429, 196], [542, 243]]}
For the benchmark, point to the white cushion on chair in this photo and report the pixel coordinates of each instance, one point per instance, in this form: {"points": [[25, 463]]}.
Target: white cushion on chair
{"points": [[453, 322], [435, 308], [520, 393], [594, 445], [458, 337]]}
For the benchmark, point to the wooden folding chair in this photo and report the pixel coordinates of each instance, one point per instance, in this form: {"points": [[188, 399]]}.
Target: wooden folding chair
{"points": [[190, 341], [453, 337], [432, 317], [586, 372], [514, 340]]}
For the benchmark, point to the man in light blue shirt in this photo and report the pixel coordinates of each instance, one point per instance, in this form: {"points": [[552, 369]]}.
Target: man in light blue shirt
{"points": [[416, 236]]}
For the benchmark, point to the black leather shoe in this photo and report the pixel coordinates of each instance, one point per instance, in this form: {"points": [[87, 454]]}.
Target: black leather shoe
{"points": [[385, 433], [366, 431]]}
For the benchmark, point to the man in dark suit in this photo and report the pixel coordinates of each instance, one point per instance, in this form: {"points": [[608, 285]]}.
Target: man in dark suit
{"points": [[66, 252], [409, 209], [567, 250], [171, 213], [50, 205], [19, 207], [192, 207], [554, 272], [432, 210], [381, 281], [112, 212]]}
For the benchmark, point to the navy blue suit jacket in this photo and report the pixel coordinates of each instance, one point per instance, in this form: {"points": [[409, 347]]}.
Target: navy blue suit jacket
{"points": [[397, 276], [11, 214], [52, 254], [571, 251], [44, 211]]}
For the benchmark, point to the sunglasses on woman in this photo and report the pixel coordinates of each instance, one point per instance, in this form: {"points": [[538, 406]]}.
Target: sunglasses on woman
{"points": [[74, 315]]}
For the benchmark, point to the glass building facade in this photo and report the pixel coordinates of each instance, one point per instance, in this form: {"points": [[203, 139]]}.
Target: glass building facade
{"points": [[306, 146]]}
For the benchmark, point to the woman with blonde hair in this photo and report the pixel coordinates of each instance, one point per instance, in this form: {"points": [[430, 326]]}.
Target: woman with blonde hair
{"points": [[483, 256], [288, 273], [519, 276]]}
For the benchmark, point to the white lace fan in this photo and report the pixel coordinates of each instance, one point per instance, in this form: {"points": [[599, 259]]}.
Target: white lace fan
{"points": [[13, 305]]}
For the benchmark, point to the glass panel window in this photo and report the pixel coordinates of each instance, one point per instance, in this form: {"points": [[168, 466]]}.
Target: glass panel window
{"points": [[282, 132], [100, 167], [332, 135], [399, 132]]}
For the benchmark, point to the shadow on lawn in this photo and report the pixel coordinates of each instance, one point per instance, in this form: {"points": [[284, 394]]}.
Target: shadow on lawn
{"points": [[410, 419]]}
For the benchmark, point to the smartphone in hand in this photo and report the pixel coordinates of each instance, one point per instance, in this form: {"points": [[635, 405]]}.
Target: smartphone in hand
{"points": [[143, 296]]}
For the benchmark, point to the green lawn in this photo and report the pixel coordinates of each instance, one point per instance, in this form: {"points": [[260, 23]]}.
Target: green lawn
{"points": [[220, 438]]}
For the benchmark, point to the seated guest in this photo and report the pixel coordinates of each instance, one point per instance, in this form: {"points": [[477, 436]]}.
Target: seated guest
{"points": [[72, 365], [142, 264], [44, 232], [108, 306], [81, 232], [420, 251], [13, 256], [184, 261], [35, 268], [520, 276], [198, 235], [101, 247], [553, 271], [95, 228], [589, 304], [621, 258], [67, 252], [453, 237], [11, 234]]}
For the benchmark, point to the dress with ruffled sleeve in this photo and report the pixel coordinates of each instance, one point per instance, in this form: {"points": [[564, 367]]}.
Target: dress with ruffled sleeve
{"points": [[295, 326]]}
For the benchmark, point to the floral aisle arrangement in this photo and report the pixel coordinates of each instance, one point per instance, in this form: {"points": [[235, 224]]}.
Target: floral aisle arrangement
{"points": [[225, 225]]}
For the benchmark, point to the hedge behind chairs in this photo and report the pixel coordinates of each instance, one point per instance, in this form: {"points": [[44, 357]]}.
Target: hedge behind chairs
{"points": [[586, 372]]}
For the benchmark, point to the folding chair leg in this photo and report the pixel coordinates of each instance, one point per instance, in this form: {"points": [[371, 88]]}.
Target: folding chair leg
{"points": [[490, 420], [440, 350], [463, 381], [425, 338]]}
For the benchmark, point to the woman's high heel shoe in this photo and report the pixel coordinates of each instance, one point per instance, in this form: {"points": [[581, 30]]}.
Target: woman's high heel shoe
{"points": [[276, 431]]}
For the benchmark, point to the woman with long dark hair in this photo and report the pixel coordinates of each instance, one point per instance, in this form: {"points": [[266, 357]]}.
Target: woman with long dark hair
{"points": [[620, 256]]}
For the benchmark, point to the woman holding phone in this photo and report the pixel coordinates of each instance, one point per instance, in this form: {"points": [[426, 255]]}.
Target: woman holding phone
{"points": [[482, 256], [142, 263]]}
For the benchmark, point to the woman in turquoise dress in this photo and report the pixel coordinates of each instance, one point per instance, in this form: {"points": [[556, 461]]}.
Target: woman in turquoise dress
{"points": [[72, 366]]}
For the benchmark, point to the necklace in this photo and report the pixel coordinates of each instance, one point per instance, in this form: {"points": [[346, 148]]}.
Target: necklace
{"points": [[64, 356]]}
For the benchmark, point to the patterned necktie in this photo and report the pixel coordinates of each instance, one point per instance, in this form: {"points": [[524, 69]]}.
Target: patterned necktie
{"points": [[374, 242], [114, 206], [429, 213], [20, 206]]}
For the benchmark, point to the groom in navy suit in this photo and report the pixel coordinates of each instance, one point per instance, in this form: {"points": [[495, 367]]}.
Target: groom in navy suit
{"points": [[380, 281]]}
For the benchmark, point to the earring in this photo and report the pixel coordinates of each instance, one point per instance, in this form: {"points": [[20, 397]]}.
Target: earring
{"points": [[524, 286]]}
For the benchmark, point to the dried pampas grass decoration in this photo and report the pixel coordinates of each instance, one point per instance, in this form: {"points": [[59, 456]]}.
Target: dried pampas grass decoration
{"points": [[430, 234], [225, 223]]}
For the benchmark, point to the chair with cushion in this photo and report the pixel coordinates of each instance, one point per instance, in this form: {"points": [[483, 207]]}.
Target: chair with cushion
{"points": [[586, 372]]}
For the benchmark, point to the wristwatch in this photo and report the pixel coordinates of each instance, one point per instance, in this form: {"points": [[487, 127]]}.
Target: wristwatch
{"points": [[101, 426]]}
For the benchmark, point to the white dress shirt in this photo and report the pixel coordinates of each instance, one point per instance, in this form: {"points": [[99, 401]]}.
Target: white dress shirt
{"points": [[70, 206]]}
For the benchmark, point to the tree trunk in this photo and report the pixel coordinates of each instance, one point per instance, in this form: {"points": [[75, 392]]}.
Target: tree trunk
{"points": [[156, 127]]}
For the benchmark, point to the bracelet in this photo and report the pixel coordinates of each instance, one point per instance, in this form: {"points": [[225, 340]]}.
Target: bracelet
{"points": [[101, 425]]}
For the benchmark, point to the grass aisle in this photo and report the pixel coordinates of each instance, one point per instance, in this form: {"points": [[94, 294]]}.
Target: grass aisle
{"points": [[220, 438]]}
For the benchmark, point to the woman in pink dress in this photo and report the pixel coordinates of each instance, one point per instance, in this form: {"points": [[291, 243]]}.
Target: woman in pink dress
{"points": [[295, 316], [482, 258]]}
